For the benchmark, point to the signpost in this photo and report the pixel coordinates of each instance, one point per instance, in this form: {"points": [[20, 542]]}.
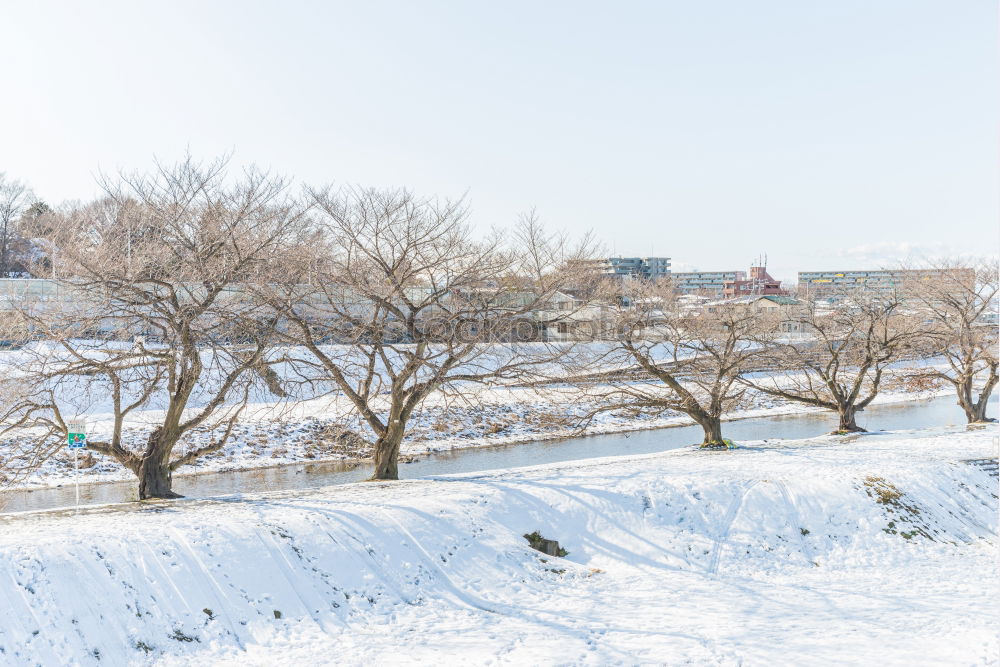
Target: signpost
{"points": [[76, 438]]}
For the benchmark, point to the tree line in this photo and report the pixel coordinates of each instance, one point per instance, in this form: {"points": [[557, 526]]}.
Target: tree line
{"points": [[192, 292]]}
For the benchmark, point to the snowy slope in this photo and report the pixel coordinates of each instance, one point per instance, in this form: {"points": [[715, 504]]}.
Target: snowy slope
{"points": [[877, 549]]}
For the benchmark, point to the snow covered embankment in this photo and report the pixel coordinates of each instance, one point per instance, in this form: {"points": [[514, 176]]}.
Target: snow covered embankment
{"points": [[821, 551]]}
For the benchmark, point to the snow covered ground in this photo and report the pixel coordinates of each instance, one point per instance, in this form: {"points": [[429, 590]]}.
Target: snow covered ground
{"points": [[875, 549]]}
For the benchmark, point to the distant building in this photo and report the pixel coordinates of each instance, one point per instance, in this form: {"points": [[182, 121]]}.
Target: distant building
{"points": [[787, 309], [704, 282], [647, 268], [882, 279], [759, 283]]}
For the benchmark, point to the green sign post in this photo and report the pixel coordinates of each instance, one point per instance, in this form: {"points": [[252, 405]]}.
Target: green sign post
{"points": [[76, 438]]}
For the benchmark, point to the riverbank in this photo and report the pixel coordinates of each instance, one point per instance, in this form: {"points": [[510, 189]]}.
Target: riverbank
{"points": [[816, 551], [311, 432], [887, 417]]}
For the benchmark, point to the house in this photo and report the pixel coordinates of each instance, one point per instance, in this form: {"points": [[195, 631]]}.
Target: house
{"points": [[568, 318], [787, 310]]}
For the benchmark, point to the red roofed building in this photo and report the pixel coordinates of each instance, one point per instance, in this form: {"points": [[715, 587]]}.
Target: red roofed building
{"points": [[759, 283]]}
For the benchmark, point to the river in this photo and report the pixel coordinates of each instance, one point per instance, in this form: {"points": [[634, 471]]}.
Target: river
{"points": [[939, 411]]}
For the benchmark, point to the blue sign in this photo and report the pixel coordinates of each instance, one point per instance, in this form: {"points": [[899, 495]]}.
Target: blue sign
{"points": [[77, 440]]}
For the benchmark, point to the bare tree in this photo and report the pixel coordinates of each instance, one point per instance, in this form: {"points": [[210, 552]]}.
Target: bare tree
{"points": [[663, 356], [28, 436], [958, 308], [15, 198], [157, 312], [400, 301], [841, 361]]}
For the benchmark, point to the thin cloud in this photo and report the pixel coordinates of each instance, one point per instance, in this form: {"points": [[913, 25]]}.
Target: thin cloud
{"points": [[893, 253]]}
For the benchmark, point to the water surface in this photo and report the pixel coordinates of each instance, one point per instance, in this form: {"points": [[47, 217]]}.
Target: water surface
{"points": [[941, 411]]}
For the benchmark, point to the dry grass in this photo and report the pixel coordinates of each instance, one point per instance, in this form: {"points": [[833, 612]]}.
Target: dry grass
{"points": [[902, 514], [882, 491]]}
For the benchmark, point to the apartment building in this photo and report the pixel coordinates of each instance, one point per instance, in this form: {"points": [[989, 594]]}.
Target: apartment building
{"points": [[881, 279], [704, 282], [647, 268]]}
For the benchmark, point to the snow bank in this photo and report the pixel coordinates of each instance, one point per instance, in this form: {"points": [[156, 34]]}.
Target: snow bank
{"points": [[827, 551]]}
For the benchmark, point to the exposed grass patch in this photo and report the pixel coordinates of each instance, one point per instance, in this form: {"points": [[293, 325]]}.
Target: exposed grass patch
{"points": [[179, 635], [882, 491], [887, 494]]}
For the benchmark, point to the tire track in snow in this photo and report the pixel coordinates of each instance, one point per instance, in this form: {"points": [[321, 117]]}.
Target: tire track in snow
{"points": [[96, 627], [210, 585], [18, 608], [456, 591], [727, 521], [793, 512], [563, 621], [154, 560], [282, 564], [371, 564]]}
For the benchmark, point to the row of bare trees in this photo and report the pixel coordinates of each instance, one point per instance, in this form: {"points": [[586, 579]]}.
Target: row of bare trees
{"points": [[705, 360], [180, 293], [191, 295]]}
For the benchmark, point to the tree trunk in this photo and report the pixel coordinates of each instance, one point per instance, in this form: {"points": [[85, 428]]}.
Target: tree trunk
{"points": [[713, 431], [964, 391], [155, 478], [387, 455], [3, 252], [848, 421], [271, 379], [975, 411]]}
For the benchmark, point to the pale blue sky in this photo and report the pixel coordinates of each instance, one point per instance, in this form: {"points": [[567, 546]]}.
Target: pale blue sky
{"points": [[828, 134]]}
